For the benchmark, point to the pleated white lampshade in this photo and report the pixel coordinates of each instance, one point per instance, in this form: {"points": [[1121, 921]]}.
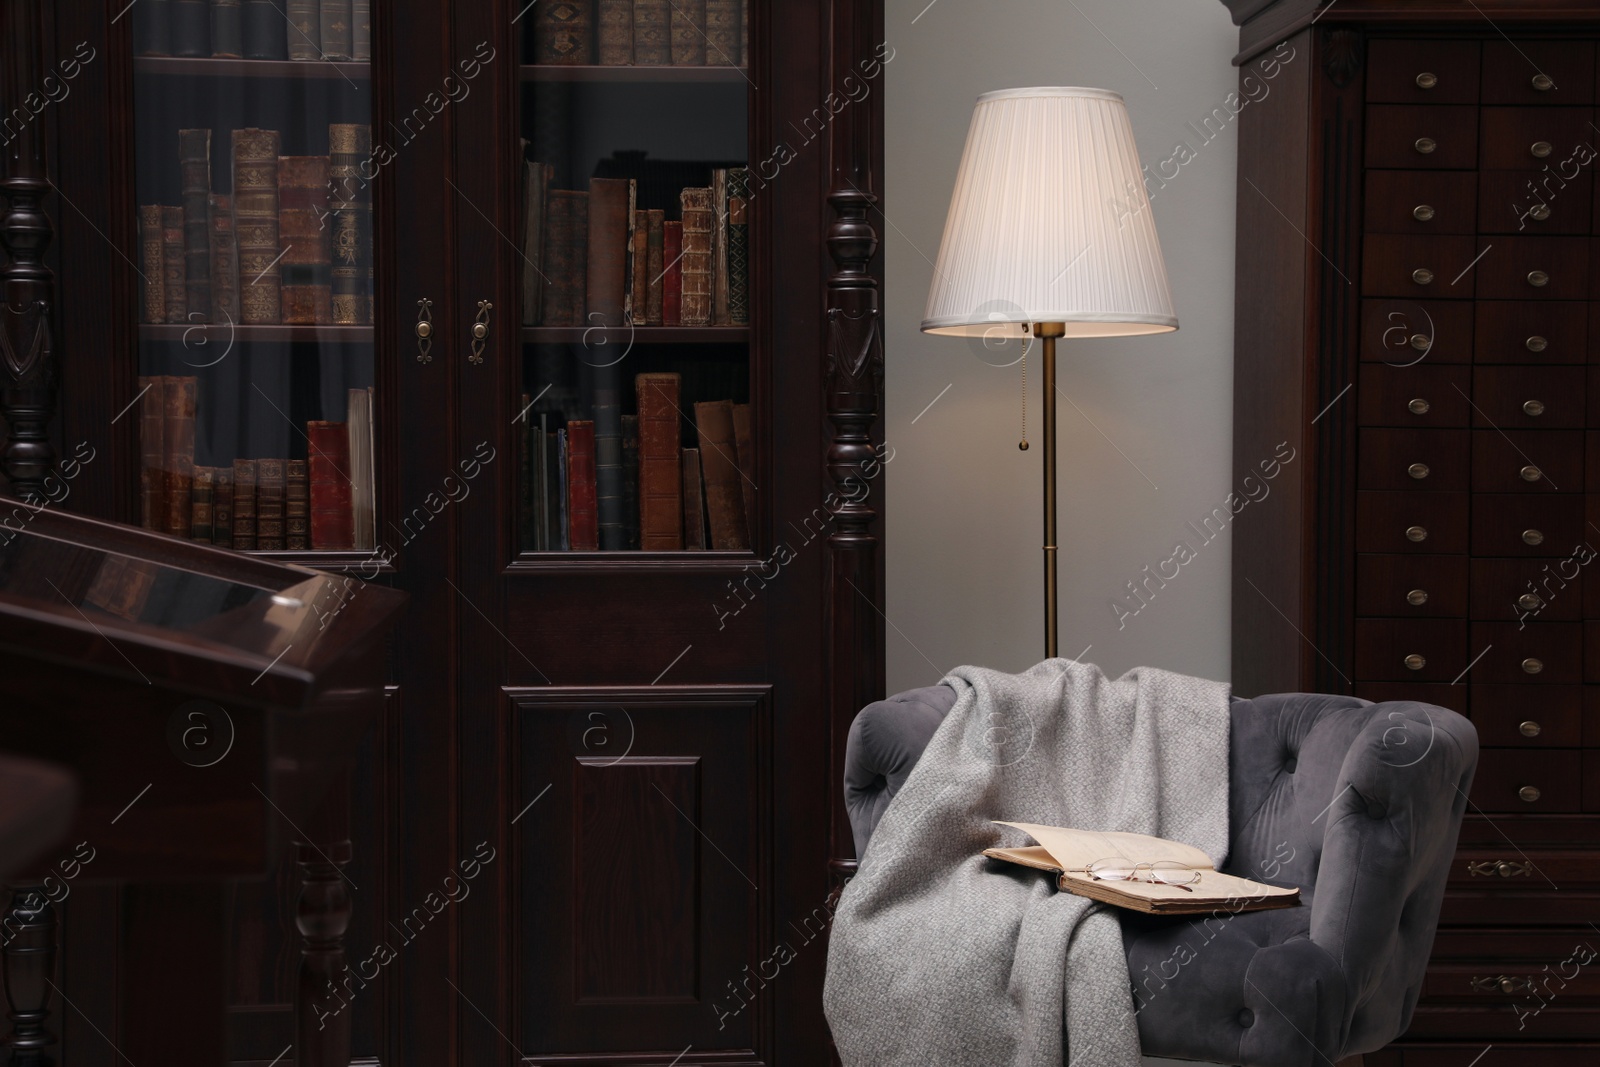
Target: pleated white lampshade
{"points": [[1050, 222]]}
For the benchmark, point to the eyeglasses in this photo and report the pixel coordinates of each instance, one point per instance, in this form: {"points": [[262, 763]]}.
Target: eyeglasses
{"points": [[1164, 872]]}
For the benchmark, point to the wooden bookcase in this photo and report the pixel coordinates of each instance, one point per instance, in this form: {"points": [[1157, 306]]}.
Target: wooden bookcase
{"points": [[655, 779]]}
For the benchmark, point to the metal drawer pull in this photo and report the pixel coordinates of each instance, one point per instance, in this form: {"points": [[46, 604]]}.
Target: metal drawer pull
{"points": [[1425, 145], [1532, 537], [1425, 80], [1536, 344], [1529, 602], [1538, 279], [1419, 406], [1543, 83], [480, 332], [1417, 597], [1533, 407], [1530, 473], [1421, 342], [1418, 471], [1529, 729], [1415, 662], [1539, 212], [1422, 213], [424, 330], [1540, 149], [1532, 665], [1529, 793], [1502, 983], [1503, 868], [1422, 276], [1416, 533]]}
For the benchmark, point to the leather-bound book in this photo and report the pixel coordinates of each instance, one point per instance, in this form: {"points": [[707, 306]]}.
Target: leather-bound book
{"points": [[719, 247], [722, 33], [222, 508], [672, 273], [361, 31], [349, 146], [337, 32], [744, 440], [303, 243], [527, 536], [227, 29], [305, 29], [245, 475], [654, 221], [201, 496], [694, 512], [255, 224], [178, 449], [616, 33], [191, 28], [332, 522], [174, 287], [738, 256], [266, 31], [744, 33], [152, 454], [639, 268], [660, 473], [194, 174], [582, 514], [608, 251], [535, 195], [689, 33], [608, 479], [719, 461], [224, 260], [630, 481], [363, 494], [563, 531], [695, 260], [566, 251], [296, 506], [152, 28], [539, 470], [563, 32], [652, 33], [151, 289], [272, 481]]}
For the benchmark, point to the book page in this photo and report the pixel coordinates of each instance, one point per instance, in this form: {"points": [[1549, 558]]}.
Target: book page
{"points": [[1077, 849]]}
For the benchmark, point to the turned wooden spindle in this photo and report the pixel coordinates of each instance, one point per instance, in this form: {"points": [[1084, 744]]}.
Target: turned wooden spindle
{"points": [[323, 1005], [29, 934]]}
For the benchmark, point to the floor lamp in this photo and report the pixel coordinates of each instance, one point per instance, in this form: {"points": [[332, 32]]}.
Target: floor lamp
{"points": [[1050, 233]]}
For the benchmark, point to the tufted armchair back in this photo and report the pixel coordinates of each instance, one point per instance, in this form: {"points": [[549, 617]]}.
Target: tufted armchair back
{"points": [[1358, 804]]}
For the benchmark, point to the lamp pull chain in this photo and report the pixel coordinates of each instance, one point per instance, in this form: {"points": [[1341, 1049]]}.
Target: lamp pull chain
{"points": [[1024, 445]]}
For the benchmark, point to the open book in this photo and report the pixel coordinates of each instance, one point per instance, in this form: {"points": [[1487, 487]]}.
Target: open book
{"points": [[1069, 854]]}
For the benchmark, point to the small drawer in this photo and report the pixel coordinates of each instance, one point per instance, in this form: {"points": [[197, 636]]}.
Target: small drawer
{"points": [[1525, 590], [1538, 72], [1508, 869], [1527, 461], [1548, 398], [1547, 653], [1418, 523], [1411, 587], [1517, 331], [1532, 202], [1422, 72], [1403, 333], [1422, 395], [1442, 694], [1546, 525], [1591, 716], [1516, 138], [1411, 650], [1421, 202], [1392, 265], [1431, 460], [1528, 716], [1527, 780], [1533, 268], [1422, 138]]}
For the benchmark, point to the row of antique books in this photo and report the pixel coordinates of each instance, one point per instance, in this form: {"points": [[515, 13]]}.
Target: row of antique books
{"points": [[616, 482], [254, 29], [595, 258], [324, 502], [291, 245], [657, 33]]}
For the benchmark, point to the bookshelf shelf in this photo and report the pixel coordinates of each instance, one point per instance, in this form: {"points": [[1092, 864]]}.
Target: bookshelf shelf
{"points": [[276, 69], [213, 333], [643, 335], [699, 561], [362, 563], [539, 72]]}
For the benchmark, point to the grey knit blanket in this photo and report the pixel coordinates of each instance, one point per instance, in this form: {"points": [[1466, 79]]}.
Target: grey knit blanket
{"points": [[940, 957]]}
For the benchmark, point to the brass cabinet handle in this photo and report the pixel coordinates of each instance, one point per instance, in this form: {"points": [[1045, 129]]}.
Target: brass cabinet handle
{"points": [[1422, 212], [424, 330], [480, 332], [1529, 602], [1543, 83], [1503, 983], [1532, 665], [1529, 729], [1427, 80], [1529, 793], [1418, 471], [1532, 537], [1530, 473], [1503, 868], [1415, 662], [1533, 407], [1417, 597], [1536, 344], [1422, 276], [1538, 279], [1416, 533], [1539, 149], [1421, 342], [1425, 145], [1539, 212], [1419, 406]]}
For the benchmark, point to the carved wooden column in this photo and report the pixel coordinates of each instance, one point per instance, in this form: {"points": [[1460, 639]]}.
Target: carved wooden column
{"points": [[29, 932], [27, 357], [854, 382], [324, 991]]}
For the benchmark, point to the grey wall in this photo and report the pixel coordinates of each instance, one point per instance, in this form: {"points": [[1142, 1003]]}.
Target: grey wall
{"points": [[1146, 437]]}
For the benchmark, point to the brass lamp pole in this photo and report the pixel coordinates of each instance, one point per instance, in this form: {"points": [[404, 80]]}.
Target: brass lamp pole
{"points": [[1048, 332]]}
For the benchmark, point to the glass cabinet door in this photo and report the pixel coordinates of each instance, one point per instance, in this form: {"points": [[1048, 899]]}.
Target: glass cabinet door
{"points": [[253, 172]]}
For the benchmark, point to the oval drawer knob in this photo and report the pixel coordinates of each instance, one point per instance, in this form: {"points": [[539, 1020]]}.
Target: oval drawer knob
{"points": [[1529, 793], [1416, 533], [1422, 212], [1530, 473], [1538, 279], [1419, 406], [1530, 602], [1421, 342], [1539, 149], [1427, 80], [1536, 344], [1417, 597], [1543, 83], [1422, 276], [1531, 536], [1415, 662], [1425, 145], [1539, 212], [1418, 471], [1533, 407], [1529, 729], [1532, 665]]}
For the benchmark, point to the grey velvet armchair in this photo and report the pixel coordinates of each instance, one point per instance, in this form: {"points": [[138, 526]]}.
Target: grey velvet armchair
{"points": [[1358, 804]]}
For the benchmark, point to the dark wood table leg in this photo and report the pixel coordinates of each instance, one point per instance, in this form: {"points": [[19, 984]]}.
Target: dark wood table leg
{"points": [[29, 932], [325, 989]]}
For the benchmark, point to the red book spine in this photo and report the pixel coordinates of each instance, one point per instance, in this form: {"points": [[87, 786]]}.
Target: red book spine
{"points": [[583, 514], [672, 274], [332, 518]]}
